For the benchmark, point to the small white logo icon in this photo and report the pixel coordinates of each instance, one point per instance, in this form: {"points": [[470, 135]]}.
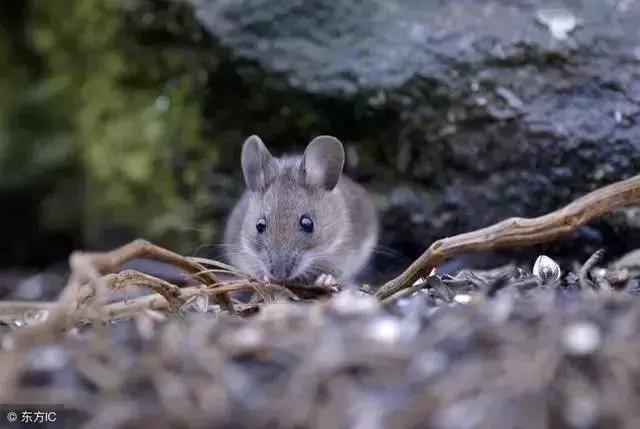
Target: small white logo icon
{"points": [[12, 417]]}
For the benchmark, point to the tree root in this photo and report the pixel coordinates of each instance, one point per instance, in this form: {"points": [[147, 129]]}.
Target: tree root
{"points": [[519, 231]]}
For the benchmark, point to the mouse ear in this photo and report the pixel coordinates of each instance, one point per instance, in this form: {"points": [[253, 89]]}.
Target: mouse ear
{"points": [[323, 161], [258, 165]]}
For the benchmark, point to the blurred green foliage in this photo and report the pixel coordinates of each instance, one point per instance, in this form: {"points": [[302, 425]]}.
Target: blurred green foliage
{"points": [[95, 119]]}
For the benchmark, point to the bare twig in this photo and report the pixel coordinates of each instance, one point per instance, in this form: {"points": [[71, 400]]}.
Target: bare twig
{"points": [[10, 308], [83, 296], [158, 302], [520, 231], [65, 312], [403, 293], [108, 262], [170, 292], [161, 300], [583, 274]]}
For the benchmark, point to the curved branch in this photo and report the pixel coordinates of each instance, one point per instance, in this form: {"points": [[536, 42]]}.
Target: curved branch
{"points": [[520, 231]]}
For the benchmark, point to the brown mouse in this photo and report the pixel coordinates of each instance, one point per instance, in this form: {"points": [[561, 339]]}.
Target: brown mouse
{"points": [[300, 217]]}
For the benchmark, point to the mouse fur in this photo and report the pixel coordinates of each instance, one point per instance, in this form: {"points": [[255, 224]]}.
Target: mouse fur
{"points": [[314, 221]]}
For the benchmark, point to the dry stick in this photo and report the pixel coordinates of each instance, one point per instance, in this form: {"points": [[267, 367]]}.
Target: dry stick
{"points": [[107, 262], [82, 297], [402, 293], [64, 312], [583, 274], [170, 292], [158, 302], [519, 231], [114, 310], [82, 265], [12, 308]]}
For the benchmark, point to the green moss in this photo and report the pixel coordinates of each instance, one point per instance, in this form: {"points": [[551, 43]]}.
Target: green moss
{"points": [[117, 110]]}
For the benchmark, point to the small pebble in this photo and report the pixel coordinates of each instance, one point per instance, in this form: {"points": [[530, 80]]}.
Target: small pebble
{"points": [[384, 330], [36, 316], [617, 115], [582, 338], [424, 279], [499, 309], [145, 326], [47, 358], [350, 302], [419, 281], [201, 303], [18, 323], [430, 363], [581, 411], [462, 298], [510, 97], [559, 22], [8, 343], [248, 338]]}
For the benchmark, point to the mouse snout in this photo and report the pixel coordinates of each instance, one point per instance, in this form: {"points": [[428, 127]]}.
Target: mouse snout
{"points": [[281, 265]]}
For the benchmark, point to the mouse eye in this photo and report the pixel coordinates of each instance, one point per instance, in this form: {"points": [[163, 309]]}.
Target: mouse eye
{"points": [[261, 226], [306, 224]]}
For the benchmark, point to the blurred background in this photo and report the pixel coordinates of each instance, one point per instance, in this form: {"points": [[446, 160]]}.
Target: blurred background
{"points": [[124, 118]]}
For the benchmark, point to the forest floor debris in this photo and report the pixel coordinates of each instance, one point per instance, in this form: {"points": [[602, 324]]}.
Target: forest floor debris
{"points": [[504, 348], [499, 348]]}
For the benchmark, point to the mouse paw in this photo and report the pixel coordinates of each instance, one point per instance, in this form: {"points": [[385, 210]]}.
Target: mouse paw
{"points": [[326, 280]]}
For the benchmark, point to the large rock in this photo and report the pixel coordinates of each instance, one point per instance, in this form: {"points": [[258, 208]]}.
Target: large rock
{"points": [[486, 109]]}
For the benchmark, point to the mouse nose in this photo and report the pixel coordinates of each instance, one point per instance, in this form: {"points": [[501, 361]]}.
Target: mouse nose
{"points": [[278, 272], [281, 267]]}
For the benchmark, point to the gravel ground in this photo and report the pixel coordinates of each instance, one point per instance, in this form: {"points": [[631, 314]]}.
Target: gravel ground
{"points": [[492, 349]]}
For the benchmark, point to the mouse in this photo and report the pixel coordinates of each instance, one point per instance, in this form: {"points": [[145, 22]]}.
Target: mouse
{"points": [[300, 218]]}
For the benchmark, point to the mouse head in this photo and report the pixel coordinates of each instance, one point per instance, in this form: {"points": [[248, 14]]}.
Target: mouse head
{"points": [[296, 215]]}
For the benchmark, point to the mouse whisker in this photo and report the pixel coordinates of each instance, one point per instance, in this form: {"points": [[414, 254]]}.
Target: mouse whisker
{"points": [[205, 248], [388, 251]]}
